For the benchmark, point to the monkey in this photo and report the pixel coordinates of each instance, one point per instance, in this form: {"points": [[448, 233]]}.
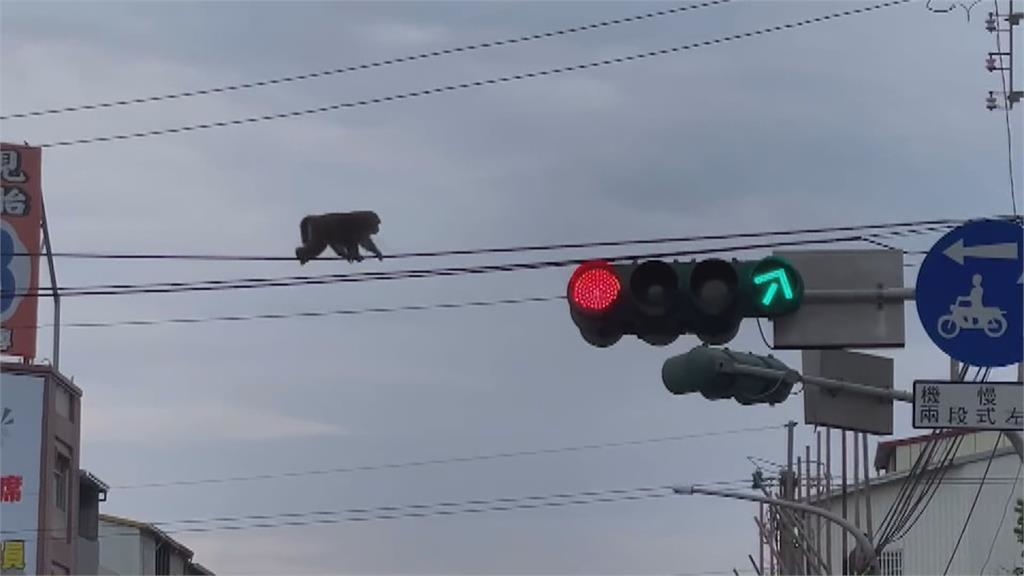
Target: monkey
{"points": [[344, 232]]}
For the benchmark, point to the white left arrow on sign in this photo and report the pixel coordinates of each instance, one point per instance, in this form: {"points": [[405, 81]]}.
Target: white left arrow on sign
{"points": [[1003, 251]]}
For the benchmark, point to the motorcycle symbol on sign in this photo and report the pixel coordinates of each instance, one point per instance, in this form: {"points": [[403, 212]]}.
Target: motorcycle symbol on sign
{"points": [[968, 313]]}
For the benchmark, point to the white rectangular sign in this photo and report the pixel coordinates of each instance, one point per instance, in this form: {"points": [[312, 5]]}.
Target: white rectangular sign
{"points": [[21, 436], [973, 405], [823, 323]]}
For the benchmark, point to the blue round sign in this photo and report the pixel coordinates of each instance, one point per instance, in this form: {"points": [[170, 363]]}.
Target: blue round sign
{"points": [[970, 293]]}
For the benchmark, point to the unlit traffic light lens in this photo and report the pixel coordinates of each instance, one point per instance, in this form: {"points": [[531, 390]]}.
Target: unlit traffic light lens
{"points": [[594, 287]]}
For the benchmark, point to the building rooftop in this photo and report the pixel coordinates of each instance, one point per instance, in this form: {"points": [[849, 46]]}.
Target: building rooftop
{"points": [[197, 568], [885, 449], [153, 530], [90, 479]]}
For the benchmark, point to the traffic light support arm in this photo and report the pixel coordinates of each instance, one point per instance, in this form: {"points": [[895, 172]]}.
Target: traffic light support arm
{"points": [[826, 383], [879, 294], [865, 548], [1015, 438]]}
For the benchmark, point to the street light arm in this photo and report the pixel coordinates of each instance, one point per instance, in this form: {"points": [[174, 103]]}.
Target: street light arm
{"points": [[864, 545]]}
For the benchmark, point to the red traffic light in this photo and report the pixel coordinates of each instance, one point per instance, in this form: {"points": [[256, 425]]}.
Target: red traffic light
{"points": [[594, 287]]}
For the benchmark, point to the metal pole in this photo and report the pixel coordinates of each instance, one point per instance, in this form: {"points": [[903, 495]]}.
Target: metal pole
{"points": [[817, 493], [839, 386], [53, 285], [867, 488], [1009, 21], [793, 520], [864, 547], [845, 548], [753, 563], [772, 552], [857, 486], [761, 539], [787, 548], [798, 496], [828, 491], [826, 383], [807, 498], [854, 295]]}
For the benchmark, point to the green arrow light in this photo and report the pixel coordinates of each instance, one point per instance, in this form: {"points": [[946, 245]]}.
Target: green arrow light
{"points": [[776, 287], [775, 279]]}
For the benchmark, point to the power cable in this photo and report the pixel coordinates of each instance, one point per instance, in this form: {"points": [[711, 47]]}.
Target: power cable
{"points": [[306, 314], [1002, 519], [443, 461], [331, 513], [369, 65], [449, 508], [1006, 109], [308, 280], [907, 517], [970, 512], [936, 480], [473, 84], [878, 230], [446, 508], [889, 524]]}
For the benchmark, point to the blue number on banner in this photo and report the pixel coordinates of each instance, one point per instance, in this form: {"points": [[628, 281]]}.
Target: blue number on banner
{"points": [[7, 279]]}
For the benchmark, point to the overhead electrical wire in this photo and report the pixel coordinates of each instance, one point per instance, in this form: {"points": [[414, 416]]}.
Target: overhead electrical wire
{"points": [[363, 514], [929, 226], [1002, 519], [444, 461], [309, 280], [369, 65], [896, 527], [360, 277], [883, 229], [473, 84], [291, 519], [307, 314], [904, 505], [931, 488], [970, 512]]}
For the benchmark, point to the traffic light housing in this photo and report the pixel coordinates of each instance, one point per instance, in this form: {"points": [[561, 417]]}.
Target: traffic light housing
{"points": [[657, 301], [713, 372]]}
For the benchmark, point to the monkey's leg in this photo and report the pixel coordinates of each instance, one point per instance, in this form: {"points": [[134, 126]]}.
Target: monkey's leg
{"points": [[309, 251], [353, 249], [343, 250], [369, 245]]}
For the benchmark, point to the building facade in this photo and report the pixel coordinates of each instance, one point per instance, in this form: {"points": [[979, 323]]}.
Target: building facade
{"points": [[133, 547], [988, 546], [91, 491], [39, 488]]}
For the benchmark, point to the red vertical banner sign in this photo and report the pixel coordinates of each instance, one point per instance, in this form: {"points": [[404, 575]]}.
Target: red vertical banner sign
{"points": [[20, 243]]}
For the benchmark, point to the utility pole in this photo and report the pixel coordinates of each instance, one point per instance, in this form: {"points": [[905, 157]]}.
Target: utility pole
{"points": [[995, 61], [787, 485]]}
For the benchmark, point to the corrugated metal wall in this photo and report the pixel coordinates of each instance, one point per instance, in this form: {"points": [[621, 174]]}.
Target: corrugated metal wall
{"points": [[927, 546]]}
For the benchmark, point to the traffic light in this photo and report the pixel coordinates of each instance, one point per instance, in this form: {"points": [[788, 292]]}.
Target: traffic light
{"points": [[713, 372], [658, 300]]}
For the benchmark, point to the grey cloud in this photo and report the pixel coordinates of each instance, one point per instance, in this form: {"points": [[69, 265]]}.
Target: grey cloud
{"points": [[820, 126]]}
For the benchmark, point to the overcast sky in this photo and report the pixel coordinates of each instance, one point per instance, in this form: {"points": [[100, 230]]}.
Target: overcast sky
{"points": [[874, 118]]}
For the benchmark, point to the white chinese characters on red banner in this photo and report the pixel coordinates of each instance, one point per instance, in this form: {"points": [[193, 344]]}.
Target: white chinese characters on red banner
{"points": [[10, 488]]}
